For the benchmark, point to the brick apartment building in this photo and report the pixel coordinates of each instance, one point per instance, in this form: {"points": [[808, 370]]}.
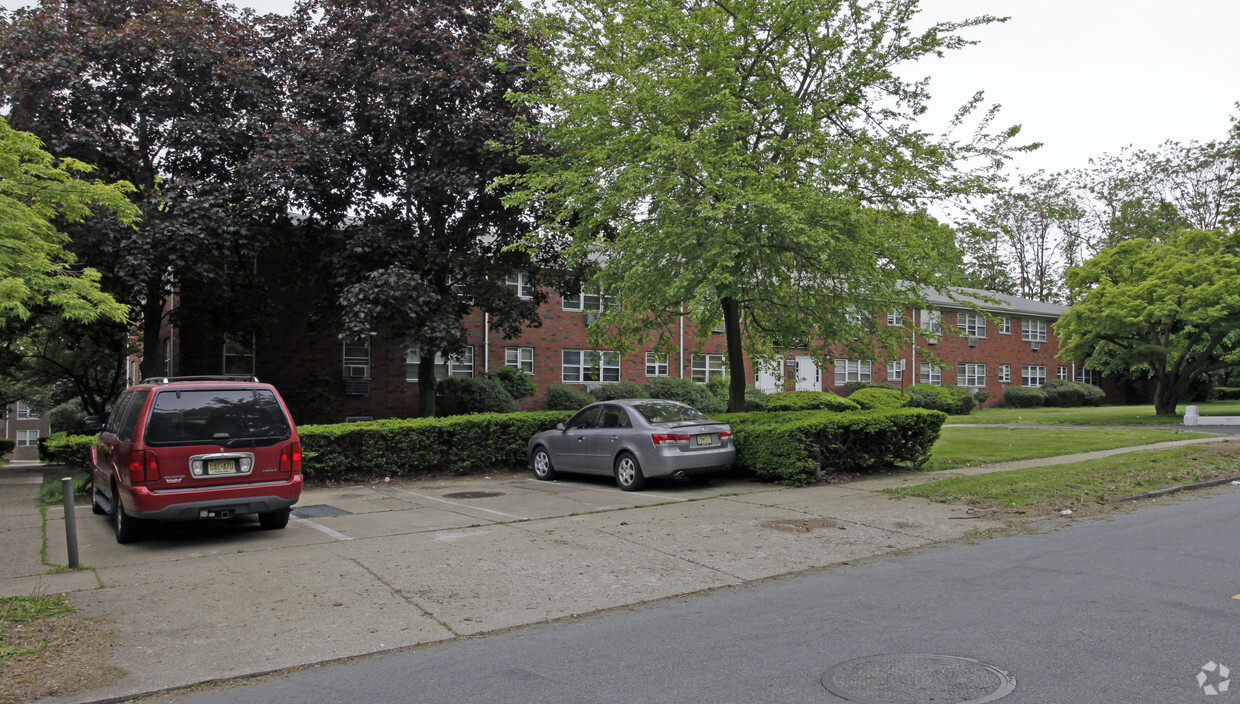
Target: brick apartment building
{"points": [[25, 425], [327, 380]]}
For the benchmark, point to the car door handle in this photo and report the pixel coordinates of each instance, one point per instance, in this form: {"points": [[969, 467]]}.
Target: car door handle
{"points": [[615, 438], [581, 439]]}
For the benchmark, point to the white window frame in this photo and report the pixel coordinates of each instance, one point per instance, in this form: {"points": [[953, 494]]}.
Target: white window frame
{"points": [[353, 359], [587, 302], [704, 367], [236, 350], [460, 364], [1089, 376], [1005, 325], [895, 370], [973, 324], [657, 364], [1033, 330], [589, 366], [932, 321], [971, 375], [847, 370], [520, 357], [27, 438], [1005, 373], [26, 412], [931, 374], [1061, 372], [1033, 375], [895, 319], [520, 281]]}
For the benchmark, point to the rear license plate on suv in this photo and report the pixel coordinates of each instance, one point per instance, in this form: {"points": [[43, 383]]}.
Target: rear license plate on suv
{"points": [[221, 466]]}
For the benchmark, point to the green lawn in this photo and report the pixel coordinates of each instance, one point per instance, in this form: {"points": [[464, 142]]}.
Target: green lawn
{"points": [[1087, 482], [965, 446], [1100, 415]]}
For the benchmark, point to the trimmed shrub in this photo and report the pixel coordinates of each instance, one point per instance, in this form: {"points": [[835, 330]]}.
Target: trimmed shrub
{"points": [[562, 397], [795, 449], [1226, 393], [809, 401], [755, 398], [622, 389], [7, 445], [686, 391], [1024, 397], [1063, 394], [873, 397], [948, 398], [463, 395], [73, 451], [1094, 396], [858, 385], [421, 446], [67, 417], [982, 396], [517, 383]]}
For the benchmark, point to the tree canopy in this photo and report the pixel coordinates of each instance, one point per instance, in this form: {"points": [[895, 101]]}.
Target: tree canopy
{"points": [[749, 163], [36, 192], [1169, 307]]}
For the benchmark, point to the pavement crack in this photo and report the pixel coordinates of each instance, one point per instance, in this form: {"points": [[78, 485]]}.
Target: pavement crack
{"points": [[674, 556], [404, 597]]}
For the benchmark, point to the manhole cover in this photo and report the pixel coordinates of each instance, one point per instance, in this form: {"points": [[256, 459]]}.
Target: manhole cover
{"points": [[318, 511], [918, 679], [473, 494]]}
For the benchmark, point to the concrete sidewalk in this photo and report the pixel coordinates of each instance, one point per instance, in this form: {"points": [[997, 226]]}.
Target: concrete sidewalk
{"points": [[382, 566]]}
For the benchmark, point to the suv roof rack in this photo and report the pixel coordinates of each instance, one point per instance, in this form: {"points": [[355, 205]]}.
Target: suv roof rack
{"points": [[219, 377]]}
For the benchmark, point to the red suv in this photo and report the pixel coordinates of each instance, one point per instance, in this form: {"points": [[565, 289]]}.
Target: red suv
{"points": [[188, 448]]}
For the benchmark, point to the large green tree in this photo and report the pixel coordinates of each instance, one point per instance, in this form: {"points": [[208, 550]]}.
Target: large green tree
{"points": [[397, 108], [1168, 307], [173, 97], [753, 164]]}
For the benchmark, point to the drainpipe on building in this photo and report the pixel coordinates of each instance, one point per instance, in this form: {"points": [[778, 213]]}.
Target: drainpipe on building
{"points": [[681, 364], [486, 342], [913, 361]]}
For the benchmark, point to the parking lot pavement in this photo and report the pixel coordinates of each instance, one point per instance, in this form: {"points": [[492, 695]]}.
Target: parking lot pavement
{"points": [[365, 568]]}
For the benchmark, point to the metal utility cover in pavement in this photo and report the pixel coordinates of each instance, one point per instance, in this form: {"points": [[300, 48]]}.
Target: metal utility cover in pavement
{"points": [[319, 511], [918, 679], [473, 495]]}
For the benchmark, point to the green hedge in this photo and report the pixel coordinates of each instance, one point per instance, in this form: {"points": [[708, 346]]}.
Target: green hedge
{"points": [[623, 389], [1024, 397], [949, 398], [7, 445], [562, 397], [1070, 394], [872, 397], [797, 448], [1227, 393], [418, 446], [73, 451], [809, 401]]}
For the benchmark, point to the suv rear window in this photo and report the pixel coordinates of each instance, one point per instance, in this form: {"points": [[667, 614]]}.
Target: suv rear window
{"points": [[225, 416]]}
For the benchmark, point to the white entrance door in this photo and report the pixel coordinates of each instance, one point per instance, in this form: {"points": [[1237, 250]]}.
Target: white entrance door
{"points": [[771, 379], [809, 378]]}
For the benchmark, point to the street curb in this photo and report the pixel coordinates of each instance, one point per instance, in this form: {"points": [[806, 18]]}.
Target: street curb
{"points": [[1175, 489]]}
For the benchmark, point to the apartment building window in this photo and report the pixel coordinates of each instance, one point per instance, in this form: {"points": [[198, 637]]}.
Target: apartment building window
{"points": [[895, 370], [357, 358], [1088, 376], [1005, 373], [27, 438], [1005, 325], [704, 367], [1062, 373], [520, 357], [586, 366], [971, 375], [459, 364], [656, 364], [847, 370], [239, 355], [1032, 375], [932, 323], [588, 301], [520, 282], [895, 319], [931, 374], [1033, 330], [26, 412], [973, 324]]}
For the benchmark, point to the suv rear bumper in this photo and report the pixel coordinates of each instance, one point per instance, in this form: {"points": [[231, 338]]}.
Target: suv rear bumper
{"points": [[191, 505]]}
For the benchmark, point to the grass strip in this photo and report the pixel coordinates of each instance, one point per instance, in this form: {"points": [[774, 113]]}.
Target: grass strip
{"points": [[1093, 415], [963, 446], [23, 609], [1087, 482]]}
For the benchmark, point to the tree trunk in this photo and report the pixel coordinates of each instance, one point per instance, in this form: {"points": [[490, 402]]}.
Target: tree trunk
{"points": [[152, 319], [1166, 398], [736, 355], [426, 384]]}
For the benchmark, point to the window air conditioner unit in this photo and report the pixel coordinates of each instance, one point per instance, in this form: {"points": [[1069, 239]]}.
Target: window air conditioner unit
{"points": [[972, 341], [355, 372], [1036, 346], [591, 317]]}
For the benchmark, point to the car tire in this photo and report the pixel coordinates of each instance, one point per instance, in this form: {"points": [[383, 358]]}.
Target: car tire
{"points": [[274, 520], [540, 461], [128, 529], [629, 475]]}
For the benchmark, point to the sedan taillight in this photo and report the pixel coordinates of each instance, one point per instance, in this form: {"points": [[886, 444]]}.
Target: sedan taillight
{"points": [[143, 467], [290, 458], [725, 433], [669, 439]]}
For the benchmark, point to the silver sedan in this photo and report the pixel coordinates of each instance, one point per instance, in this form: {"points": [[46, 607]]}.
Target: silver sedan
{"points": [[634, 440]]}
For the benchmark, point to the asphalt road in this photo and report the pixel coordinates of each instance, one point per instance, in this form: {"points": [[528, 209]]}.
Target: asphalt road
{"points": [[1123, 609]]}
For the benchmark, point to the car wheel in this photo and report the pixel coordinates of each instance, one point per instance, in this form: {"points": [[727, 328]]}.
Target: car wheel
{"points": [[629, 473], [128, 528], [541, 461], [274, 520]]}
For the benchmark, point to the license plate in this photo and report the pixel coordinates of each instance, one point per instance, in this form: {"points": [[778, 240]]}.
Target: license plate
{"points": [[705, 439], [221, 466]]}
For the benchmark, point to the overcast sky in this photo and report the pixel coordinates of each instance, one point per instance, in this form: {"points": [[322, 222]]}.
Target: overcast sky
{"points": [[1084, 77]]}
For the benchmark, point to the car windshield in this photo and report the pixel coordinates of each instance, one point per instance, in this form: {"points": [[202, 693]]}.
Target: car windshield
{"points": [[668, 412], [190, 416]]}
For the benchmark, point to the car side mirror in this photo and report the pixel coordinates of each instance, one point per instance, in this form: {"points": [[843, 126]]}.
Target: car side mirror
{"points": [[92, 424], [559, 426]]}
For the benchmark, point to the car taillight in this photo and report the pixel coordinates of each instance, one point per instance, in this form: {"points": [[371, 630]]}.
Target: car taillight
{"points": [[725, 433], [143, 467], [290, 458], [669, 439]]}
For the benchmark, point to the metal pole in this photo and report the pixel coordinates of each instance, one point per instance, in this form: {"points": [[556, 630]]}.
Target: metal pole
{"points": [[66, 485]]}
